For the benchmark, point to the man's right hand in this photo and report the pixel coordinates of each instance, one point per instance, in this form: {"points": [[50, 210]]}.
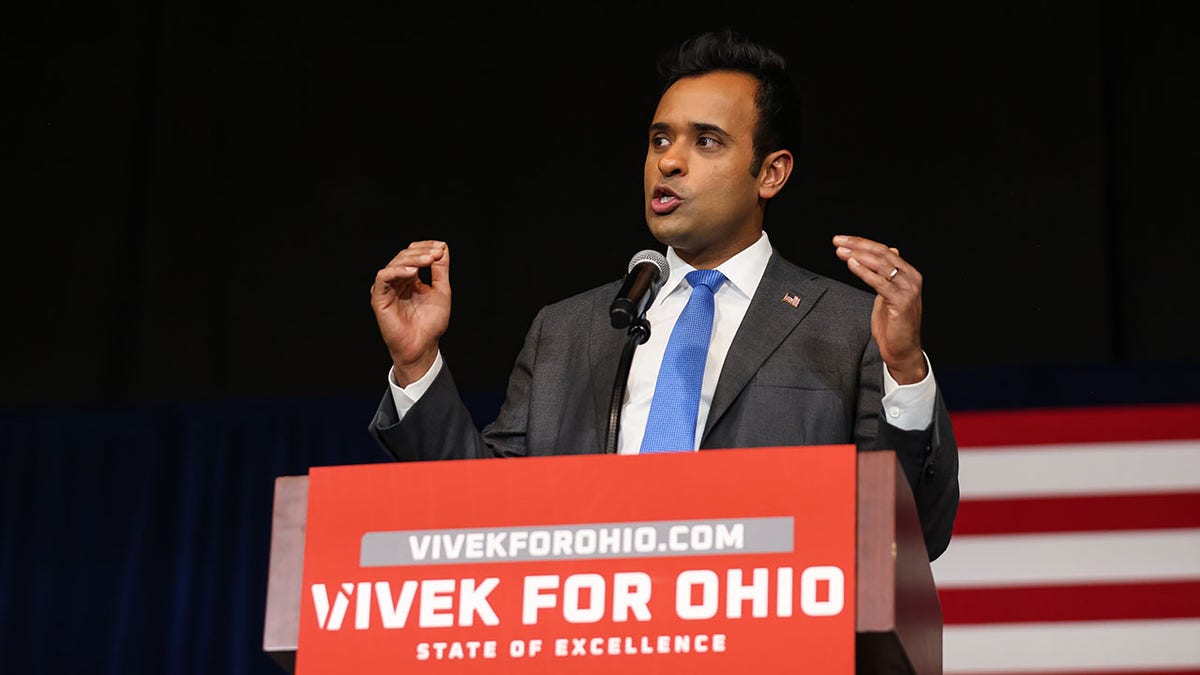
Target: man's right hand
{"points": [[412, 314]]}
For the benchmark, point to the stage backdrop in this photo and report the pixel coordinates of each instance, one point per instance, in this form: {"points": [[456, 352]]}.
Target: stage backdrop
{"points": [[136, 540]]}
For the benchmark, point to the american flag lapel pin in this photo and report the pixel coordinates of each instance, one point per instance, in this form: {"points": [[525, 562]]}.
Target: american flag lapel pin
{"points": [[792, 299]]}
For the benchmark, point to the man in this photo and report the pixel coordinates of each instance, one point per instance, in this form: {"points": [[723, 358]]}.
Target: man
{"points": [[793, 359]]}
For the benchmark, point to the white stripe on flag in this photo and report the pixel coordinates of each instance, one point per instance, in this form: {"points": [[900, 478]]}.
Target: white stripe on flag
{"points": [[1093, 646], [1075, 469], [1069, 558]]}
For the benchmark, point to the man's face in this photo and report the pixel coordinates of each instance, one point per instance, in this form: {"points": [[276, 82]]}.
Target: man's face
{"points": [[701, 198]]}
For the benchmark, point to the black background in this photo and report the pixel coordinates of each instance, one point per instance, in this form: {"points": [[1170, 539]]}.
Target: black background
{"points": [[202, 192]]}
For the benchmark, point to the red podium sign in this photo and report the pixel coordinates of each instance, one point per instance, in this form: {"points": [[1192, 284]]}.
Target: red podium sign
{"points": [[712, 562]]}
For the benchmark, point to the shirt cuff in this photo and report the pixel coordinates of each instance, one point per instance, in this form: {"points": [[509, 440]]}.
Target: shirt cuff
{"points": [[909, 406], [406, 397]]}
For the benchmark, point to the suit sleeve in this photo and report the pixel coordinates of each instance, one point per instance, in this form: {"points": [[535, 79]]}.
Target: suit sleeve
{"points": [[439, 425], [929, 457]]}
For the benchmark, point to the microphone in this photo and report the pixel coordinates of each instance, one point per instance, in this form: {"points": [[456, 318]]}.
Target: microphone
{"points": [[648, 271]]}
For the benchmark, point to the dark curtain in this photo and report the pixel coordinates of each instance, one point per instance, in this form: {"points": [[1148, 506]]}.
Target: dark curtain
{"points": [[136, 540], [205, 191]]}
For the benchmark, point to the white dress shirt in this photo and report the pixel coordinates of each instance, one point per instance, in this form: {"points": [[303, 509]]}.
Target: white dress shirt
{"points": [[908, 407]]}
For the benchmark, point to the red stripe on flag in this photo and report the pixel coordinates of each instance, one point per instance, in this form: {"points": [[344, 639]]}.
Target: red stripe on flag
{"points": [[1076, 425], [1086, 514], [1090, 602]]}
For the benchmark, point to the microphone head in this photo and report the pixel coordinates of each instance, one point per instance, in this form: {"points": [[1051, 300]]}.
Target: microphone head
{"points": [[652, 256], [639, 289]]}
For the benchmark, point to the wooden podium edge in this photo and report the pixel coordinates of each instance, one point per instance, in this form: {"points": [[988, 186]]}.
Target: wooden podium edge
{"points": [[285, 581], [898, 617]]}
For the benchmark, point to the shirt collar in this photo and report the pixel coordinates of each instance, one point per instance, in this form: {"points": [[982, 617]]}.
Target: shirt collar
{"points": [[742, 272]]}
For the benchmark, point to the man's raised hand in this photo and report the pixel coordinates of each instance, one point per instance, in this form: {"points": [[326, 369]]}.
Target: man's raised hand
{"points": [[412, 315], [896, 317]]}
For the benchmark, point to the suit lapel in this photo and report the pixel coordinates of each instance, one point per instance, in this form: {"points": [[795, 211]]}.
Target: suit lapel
{"points": [[783, 298]]}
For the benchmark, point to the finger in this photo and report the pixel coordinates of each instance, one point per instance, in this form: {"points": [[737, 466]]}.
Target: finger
{"points": [[439, 268], [872, 278], [858, 243], [405, 266], [860, 246], [881, 264], [393, 273], [391, 278], [418, 253]]}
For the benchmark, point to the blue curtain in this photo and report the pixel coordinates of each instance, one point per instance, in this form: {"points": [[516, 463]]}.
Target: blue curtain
{"points": [[137, 540]]}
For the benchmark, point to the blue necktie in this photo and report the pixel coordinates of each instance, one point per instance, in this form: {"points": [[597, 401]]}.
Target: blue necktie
{"points": [[671, 426]]}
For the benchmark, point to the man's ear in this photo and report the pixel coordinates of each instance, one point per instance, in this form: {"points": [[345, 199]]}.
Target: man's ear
{"points": [[776, 169]]}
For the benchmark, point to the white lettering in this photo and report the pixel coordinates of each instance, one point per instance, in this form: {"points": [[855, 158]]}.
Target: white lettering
{"points": [[534, 599], [810, 602], [517, 541], [471, 649], [419, 546], [362, 606], [731, 537], [395, 615], [475, 545], [539, 543], [518, 648], [675, 537], [495, 544], [325, 619], [435, 597], [472, 600], [562, 542], [594, 584], [453, 545], [783, 591], [631, 592], [585, 542], [610, 540], [688, 580], [736, 593], [643, 539]]}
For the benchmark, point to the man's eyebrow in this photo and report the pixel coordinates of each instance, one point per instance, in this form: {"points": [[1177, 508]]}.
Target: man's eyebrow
{"points": [[697, 126], [705, 126]]}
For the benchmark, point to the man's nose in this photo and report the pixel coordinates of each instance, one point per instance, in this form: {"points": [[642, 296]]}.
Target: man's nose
{"points": [[672, 162]]}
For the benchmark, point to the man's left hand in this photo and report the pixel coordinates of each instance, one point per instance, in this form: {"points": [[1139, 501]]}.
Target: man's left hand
{"points": [[896, 318]]}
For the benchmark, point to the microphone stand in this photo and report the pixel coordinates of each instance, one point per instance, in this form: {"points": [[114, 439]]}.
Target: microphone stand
{"points": [[639, 332]]}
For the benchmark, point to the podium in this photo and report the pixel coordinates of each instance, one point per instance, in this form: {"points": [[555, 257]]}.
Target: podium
{"points": [[896, 615]]}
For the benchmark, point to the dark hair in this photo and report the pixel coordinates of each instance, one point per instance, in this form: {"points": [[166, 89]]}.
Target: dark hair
{"points": [[777, 99]]}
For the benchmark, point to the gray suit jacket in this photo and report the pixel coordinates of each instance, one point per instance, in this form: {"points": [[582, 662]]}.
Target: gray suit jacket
{"points": [[805, 375]]}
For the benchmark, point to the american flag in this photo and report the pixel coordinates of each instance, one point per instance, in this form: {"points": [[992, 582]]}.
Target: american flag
{"points": [[1077, 544]]}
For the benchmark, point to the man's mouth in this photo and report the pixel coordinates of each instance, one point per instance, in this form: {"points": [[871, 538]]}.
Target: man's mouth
{"points": [[664, 200]]}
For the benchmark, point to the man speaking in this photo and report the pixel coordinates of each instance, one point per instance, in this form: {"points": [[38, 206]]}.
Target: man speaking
{"points": [[748, 349]]}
